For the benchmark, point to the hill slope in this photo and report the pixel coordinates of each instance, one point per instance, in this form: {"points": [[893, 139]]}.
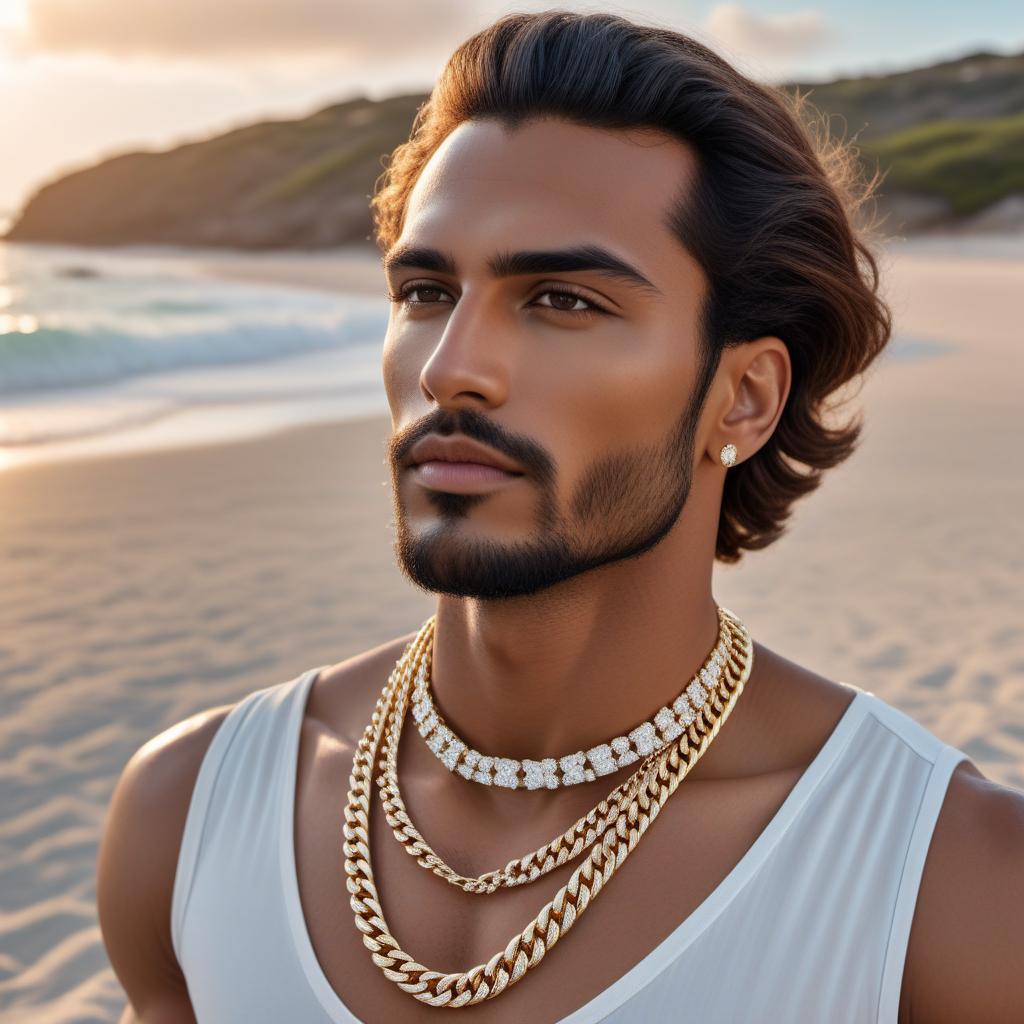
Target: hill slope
{"points": [[950, 138], [274, 184]]}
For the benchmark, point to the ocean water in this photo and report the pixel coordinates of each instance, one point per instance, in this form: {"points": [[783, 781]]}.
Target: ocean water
{"points": [[127, 349]]}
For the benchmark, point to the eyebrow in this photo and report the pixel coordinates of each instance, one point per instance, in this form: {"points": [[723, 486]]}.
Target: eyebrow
{"points": [[532, 261]]}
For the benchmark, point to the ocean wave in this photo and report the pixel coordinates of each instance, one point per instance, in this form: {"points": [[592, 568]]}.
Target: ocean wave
{"points": [[59, 357]]}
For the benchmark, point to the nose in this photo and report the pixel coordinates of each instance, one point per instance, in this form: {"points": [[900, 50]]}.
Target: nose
{"points": [[470, 365]]}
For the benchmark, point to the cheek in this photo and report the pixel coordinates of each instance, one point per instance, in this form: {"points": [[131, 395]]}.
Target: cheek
{"points": [[400, 370], [610, 398]]}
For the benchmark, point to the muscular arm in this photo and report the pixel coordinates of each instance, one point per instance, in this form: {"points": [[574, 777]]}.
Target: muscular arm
{"points": [[964, 955], [136, 867]]}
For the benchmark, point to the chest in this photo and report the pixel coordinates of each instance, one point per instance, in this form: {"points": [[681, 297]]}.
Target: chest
{"points": [[703, 832]]}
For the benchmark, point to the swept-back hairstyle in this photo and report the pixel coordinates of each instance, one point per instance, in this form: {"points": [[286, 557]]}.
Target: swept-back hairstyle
{"points": [[770, 219]]}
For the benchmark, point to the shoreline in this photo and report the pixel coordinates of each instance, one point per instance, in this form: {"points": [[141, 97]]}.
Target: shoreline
{"points": [[352, 269], [185, 447], [193, 404]]}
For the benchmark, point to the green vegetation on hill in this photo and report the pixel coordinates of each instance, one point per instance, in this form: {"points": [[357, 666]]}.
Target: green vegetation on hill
{"points": [[951, 135], [970, 164], [978, 86]]}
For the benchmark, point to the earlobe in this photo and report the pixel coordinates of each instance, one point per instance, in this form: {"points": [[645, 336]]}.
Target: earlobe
{"points": [[760, 373]]}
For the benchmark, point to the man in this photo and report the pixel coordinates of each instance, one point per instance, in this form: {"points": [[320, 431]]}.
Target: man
{"points": [[610, 258]]}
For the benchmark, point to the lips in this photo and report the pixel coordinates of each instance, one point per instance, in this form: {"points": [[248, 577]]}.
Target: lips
{"points": [[434, 448]]}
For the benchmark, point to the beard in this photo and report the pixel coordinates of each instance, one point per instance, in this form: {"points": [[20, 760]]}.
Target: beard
{"points": [[623, 505]]}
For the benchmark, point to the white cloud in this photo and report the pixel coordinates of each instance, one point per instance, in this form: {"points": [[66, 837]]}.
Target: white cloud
{"points": [[768, 35], [196, 29]]}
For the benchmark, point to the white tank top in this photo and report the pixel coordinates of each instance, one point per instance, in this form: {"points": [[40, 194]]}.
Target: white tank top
{"points": [[814, 918]]}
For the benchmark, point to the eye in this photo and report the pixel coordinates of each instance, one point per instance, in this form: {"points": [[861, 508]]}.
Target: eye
{"points": [[566, 299], [404, 294], [570, 298]]}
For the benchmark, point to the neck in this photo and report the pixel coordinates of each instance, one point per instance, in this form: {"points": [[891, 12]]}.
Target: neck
{"points": [[583, 661]]}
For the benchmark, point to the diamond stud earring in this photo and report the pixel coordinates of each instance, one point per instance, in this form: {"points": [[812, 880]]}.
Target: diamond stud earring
{"points": [[728, 454]]}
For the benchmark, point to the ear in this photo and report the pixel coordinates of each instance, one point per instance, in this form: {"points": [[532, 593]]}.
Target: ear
{"points": [[754, 382]]}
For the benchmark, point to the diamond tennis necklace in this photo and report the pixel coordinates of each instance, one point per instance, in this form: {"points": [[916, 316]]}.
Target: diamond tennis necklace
{"points": [[647, 738]]}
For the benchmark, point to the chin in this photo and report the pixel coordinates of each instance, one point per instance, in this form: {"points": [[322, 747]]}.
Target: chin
{"points": [[440, 561]]}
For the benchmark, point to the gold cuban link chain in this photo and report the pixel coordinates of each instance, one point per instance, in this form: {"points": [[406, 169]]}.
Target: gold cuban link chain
{"points": [[526, 949]]}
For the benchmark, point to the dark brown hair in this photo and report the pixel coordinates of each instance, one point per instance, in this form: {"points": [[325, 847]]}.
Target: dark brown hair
{"points": [[770, 218]]}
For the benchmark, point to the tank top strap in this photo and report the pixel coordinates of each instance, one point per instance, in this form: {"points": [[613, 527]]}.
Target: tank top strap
{"points": [[928, 810], [252, 736]]}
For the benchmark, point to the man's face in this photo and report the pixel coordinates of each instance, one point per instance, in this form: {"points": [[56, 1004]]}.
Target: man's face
{"points": [[587, 397]]}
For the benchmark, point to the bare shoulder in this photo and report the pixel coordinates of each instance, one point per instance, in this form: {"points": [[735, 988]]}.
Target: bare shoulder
{"points": [[786, 714], [137, 864], [963, 957], [343, 696]]}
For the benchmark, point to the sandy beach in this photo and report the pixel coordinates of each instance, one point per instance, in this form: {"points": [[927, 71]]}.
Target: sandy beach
{"points": [[138, 589]]}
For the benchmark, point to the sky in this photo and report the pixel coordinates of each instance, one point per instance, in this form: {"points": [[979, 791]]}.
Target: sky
{"points": [[81, 80]]}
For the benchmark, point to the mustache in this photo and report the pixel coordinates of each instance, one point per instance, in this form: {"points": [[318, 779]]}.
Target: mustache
{"points": [[533, 456]]}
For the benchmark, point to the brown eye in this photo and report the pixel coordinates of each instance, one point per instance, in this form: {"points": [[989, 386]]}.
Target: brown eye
{"points": [[431, 291], [565, 301]]}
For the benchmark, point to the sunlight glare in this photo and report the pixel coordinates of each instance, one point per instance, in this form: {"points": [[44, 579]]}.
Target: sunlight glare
{"points": [[24, 323], [13, 14]]}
